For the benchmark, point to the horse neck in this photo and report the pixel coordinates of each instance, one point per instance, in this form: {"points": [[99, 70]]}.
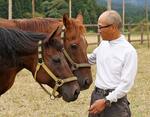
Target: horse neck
{"points": [[29, 62], [7, 79]]}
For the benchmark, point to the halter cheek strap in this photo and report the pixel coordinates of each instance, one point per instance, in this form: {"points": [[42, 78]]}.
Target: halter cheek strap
{"points": [[75, 66]]}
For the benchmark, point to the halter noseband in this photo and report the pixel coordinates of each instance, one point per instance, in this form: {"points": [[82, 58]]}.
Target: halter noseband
{"points": [[58, 82], [74, 65]]}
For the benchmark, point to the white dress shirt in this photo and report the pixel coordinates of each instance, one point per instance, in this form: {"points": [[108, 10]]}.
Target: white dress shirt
{"points": [[116, 63]]}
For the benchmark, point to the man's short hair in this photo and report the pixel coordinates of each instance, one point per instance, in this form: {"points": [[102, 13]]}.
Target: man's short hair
{"points": [[113, 17]]}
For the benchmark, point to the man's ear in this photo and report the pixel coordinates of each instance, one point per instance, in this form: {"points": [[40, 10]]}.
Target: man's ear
{"points": [[114, 27]]}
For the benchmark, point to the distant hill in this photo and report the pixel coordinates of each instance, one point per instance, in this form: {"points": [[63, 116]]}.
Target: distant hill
{"points": [[134, 9], [131, 2]]}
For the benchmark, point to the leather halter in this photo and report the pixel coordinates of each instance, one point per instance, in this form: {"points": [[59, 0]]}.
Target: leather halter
{"points": [[74, 65], [58, 82]]}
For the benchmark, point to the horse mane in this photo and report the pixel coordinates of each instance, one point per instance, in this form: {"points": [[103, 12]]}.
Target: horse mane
{"points": [[14, 43], [7, 23], [44, 25], [47, 25], [37, 25]]}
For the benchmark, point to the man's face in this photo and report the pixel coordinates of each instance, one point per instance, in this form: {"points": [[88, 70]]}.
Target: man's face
{"points": [[104, 28]]}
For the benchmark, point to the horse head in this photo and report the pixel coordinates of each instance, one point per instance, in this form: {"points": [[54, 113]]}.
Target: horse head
{"points": [[76, 45], [42, 55], [55, 60]]}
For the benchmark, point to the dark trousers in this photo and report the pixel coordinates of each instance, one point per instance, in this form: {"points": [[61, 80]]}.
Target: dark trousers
{"points": [[117, 109]]}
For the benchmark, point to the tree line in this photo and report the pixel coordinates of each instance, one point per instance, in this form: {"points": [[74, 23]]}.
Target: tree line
{"points": [[53, 8]]}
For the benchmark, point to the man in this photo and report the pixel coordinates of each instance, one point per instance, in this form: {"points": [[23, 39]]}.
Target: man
{"points": [[116, 63]]}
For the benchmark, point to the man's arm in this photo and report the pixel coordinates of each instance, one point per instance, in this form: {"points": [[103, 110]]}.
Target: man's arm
{"points": [[92, 57], [128, 74]]}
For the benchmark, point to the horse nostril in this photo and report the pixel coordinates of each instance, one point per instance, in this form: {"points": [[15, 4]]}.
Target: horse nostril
{"points": [[76, 93], [56, 59], [86, 82]]}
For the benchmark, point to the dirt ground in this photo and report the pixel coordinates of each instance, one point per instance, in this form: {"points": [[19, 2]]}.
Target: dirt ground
{"points": [[27, 99]]}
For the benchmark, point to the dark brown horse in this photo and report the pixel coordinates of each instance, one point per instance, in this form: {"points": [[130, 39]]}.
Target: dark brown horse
{"points": [[72, 32], [40, 54]]}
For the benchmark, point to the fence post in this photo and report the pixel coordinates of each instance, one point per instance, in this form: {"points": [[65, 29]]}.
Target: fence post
{"points": [[9, 9], [98, 39], [129, 32], [147, 25], [142, 32], [33, 8]]}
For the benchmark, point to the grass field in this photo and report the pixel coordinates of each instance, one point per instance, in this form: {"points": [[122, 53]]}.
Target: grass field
{"points": [[27, 99]]}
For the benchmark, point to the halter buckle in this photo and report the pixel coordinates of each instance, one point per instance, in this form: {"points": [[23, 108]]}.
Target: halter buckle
{"points": [[74, 67], [59, 82]]}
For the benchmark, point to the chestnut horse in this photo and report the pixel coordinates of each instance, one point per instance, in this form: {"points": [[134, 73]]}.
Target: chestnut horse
{"points": [[71, 32], [40, 54]]}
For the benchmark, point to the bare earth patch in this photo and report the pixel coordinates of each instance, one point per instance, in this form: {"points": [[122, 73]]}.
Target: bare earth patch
{"points": [[27, 99]]}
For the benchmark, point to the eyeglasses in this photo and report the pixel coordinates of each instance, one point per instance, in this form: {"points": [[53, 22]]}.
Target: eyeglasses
{"points": [[100, 26]]}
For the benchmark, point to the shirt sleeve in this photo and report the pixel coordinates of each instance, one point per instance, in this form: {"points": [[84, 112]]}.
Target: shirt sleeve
{"points": [[128, 74], [92, 57]]}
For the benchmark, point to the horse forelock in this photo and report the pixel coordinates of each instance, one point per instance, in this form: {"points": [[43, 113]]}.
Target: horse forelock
{"points": [[76, 29]]}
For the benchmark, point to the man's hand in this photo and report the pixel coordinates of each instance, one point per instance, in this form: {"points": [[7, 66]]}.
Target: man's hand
{"points": [[97, 106]]}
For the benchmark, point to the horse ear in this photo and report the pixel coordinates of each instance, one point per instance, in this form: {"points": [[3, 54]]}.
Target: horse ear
{"points": [[80, 17], [66, 20], [53, 41], [51, 35]]}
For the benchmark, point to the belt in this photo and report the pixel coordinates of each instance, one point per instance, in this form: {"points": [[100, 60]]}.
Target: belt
{"points": [[103, 91]]}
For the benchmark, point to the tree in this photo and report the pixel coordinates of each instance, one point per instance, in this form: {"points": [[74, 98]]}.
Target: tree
{"points": [[87, 19], [3, 9], [17, 9], [89, 8], [55, 8]]}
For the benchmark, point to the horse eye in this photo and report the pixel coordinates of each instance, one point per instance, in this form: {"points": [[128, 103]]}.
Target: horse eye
{"points": [[74, 46], [56, 60]]}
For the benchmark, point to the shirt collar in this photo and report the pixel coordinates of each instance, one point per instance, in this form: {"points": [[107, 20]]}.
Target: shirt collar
{"points": [[118, 40]]}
